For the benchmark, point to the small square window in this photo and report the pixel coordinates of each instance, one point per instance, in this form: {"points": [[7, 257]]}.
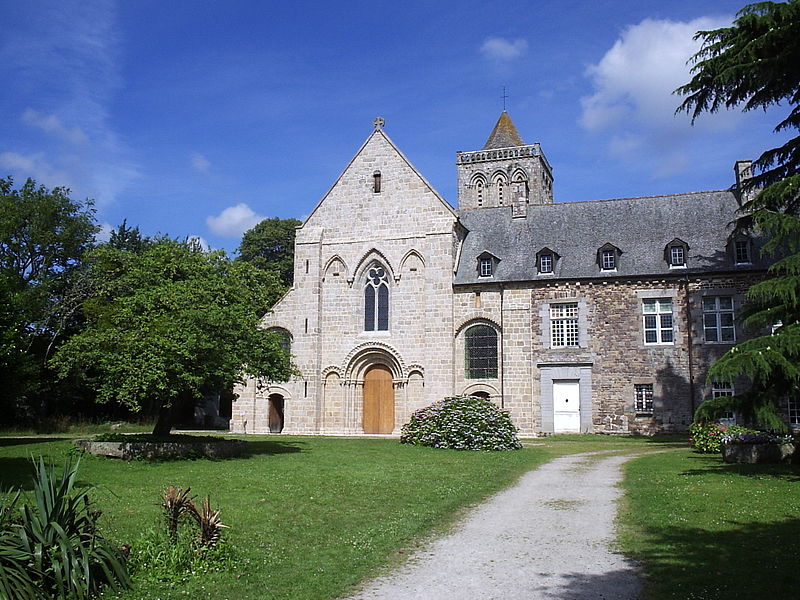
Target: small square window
{"points": [[608, 260], [546, 263], [677, 256], [486, 267], [643, 398], [741, 250]]}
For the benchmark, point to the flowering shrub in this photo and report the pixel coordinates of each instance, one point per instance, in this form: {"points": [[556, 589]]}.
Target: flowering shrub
{"points": [[755, 437], [461, 423], [706, 436]]}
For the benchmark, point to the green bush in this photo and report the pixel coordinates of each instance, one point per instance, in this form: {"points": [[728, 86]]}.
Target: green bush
{"points": [[706, 436], [50, 548], [462, 423]]}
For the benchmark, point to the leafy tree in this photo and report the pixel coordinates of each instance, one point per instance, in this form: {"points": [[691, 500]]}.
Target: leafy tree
{"points": [[128, 238], [270, 246], [170, 323], [755, 63], [43, 236]]}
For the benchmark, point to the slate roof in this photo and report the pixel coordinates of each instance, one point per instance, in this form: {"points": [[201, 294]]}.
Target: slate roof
{"points": [[640, 227], [504, 134]]}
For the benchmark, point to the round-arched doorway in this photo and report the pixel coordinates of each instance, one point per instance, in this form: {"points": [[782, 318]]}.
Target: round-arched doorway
{"points": [[378, 414], [276, 403]]}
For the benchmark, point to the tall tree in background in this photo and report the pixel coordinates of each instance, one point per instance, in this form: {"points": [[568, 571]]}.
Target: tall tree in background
{"points": [[170, 323], [43, 236], [755, 64], [270, 246]]}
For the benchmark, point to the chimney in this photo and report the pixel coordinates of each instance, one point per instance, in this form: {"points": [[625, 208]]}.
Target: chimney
{"points": [[744, 173]]}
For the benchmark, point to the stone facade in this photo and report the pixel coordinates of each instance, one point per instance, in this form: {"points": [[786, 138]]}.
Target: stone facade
{"points": [[492, 300]]}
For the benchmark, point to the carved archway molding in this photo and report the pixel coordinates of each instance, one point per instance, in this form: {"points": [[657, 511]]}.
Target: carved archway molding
{"points": [[368, 354]]}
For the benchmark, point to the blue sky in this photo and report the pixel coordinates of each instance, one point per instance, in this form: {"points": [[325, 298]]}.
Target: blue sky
{"points": [[201, 118]]}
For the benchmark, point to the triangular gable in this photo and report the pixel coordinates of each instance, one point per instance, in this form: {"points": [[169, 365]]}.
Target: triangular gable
{"points": [[379, 133]]}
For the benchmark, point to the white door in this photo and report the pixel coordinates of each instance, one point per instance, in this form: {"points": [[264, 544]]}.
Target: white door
{"points": [[566, 407]]}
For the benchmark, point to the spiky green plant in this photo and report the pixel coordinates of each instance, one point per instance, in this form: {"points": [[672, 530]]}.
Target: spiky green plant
{"points": [[211, 525], [52, 548], [177, 503]]}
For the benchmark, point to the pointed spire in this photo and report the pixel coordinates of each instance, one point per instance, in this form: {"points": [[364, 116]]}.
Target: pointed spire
{"points": [[504, 134]]}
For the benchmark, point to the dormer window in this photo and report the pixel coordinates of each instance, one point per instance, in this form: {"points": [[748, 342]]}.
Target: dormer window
{"points": [[608, 260], [608, 257], [486, 264], [676, 256], [376, 182], [675, 253], [486, 267], [741, 252], [546, 261]]}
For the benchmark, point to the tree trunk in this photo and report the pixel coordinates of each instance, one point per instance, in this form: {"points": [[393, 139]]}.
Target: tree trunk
{"points": [[164, 421]]}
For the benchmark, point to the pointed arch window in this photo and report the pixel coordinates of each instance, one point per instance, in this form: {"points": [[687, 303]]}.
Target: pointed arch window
{"points": [[376, 299]]}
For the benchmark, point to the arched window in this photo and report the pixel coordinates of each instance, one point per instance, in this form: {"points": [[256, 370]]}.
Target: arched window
{"points": [[479, 191], [376, 299], [285, 338], [480, 352]]}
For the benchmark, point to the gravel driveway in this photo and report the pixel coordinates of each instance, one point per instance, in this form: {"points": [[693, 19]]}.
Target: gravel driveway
{"points": [[546, 537]]}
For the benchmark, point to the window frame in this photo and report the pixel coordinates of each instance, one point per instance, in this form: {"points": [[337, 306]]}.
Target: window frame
{"points": [[547, 257], [485, 266], [660, 316], [742, 254], [717, 313], [643, 394], [473, 335], [564, 325], [677, 255], [376, 298], [608, 257]]}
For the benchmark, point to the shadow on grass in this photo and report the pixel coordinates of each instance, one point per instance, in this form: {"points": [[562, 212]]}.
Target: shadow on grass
{"points": [[19, 441], [784, 472], [259, 447], [751, 560]]}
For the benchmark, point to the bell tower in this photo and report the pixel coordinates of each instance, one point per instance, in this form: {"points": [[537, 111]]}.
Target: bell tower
{"points": [[505, 172]]}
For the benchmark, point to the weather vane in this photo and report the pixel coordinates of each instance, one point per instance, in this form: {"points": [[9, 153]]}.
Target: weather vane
{"points": [[504, 96]]}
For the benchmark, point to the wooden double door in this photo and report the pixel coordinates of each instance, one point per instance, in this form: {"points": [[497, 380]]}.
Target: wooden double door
{"points": [[378, 400]]}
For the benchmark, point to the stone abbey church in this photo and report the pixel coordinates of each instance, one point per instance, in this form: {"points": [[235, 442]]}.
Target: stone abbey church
{"points": [[598, 316]]}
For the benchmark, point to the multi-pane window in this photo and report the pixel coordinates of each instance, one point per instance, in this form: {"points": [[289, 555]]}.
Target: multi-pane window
{"points": [[658, 321], [718, 319], [480, 352], [643, 398], [376, 300], [793, 409], [677, 256], [720, 389], [485, 266], [545, 263], [741, 250], [608, 260], [564, 325]]}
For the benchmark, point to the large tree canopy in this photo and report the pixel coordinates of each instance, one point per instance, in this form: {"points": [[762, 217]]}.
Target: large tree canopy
{"points": [[270, 246], [43, 236], [756, 64], [169, 323]]}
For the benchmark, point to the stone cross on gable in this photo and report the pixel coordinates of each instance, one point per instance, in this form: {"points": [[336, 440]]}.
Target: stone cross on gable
{"points": [[378, 122]]}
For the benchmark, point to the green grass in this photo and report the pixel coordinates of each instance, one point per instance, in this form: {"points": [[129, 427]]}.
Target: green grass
{"points": [[69, 427], [706, 529], [309, 517]]}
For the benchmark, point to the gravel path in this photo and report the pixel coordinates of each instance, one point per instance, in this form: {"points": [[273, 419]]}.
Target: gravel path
{"points": [[546, 537]]}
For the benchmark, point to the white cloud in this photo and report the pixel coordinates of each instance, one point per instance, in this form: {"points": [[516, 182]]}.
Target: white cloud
{"points": [[234, 221], [636, 77], [34, 166], [200, 241], [52, 124], [105, 232], [501, 49], [199, 162]]}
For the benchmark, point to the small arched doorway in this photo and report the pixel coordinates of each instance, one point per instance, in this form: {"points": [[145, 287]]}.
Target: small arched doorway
{"points": [[378, 400], [276, 402]]}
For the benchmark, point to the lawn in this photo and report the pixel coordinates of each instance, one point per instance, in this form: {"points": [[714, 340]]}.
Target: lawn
{"points": [[706, 529], [309, 517]]}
